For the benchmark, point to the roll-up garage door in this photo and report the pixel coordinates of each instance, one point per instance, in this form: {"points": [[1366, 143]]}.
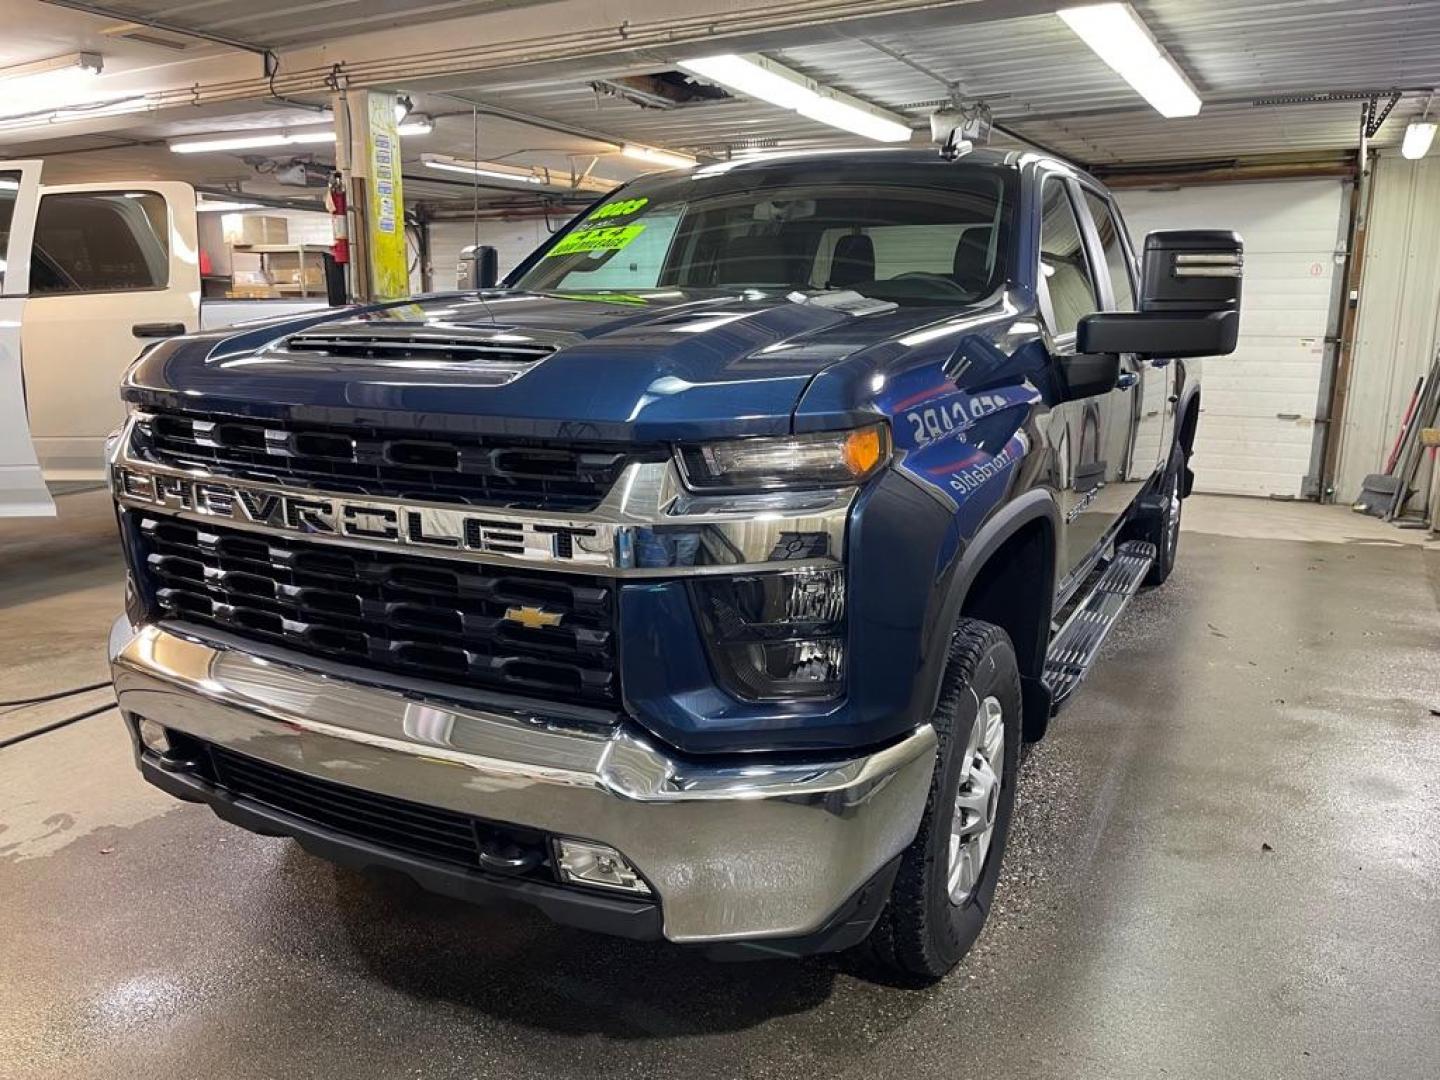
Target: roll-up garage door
{"points": [[1257, 425]]}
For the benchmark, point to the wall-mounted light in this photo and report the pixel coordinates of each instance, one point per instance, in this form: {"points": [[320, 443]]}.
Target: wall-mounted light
{"points": [[1419, 134], [1119, 37], [760, 77]]}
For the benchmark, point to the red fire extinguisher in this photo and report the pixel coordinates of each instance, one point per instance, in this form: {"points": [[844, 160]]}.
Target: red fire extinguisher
{"points": [[340, 250]]}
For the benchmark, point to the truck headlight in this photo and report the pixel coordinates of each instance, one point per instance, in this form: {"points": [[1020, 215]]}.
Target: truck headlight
{"points": [[776, 636], [823, 459]]}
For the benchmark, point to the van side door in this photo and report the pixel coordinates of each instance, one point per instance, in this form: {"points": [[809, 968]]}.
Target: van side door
{"points": [[114, 268], [22, 489]]}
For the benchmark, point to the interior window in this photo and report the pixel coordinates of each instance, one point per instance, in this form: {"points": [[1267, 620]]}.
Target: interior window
{"points": [[1063, 263], [1117, 259], [100, 241], [9, 192]]}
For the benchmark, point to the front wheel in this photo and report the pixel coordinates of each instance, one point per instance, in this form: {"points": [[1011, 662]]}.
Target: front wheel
{"points": [[1165, 532], [947, 876]]}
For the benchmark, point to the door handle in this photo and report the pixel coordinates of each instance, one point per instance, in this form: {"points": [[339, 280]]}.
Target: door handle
{"points": [[1126, 380], [157, 329]]}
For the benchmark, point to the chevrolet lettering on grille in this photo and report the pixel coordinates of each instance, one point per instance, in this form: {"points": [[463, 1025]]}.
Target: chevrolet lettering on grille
{"points": [[456, 530]]}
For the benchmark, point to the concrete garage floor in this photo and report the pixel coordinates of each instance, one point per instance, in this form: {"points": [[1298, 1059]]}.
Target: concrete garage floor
{"points": [[1226, 863]]}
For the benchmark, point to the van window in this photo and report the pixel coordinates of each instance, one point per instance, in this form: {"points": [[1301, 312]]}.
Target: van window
{"points": [[9, 192], [1064, 269], [100, 241]]}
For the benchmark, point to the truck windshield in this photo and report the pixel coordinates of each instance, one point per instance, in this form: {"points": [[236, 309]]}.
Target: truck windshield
{"points": [[910, 245]]}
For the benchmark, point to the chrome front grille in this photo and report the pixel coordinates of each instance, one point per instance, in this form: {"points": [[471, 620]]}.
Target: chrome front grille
{"points": [[533, 634], [389, 463]]}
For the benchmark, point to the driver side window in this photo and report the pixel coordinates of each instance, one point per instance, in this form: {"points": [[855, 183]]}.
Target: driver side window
{"points": [[1065, 273]]}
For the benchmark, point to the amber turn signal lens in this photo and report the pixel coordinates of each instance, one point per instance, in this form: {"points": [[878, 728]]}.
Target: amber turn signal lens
{"points": [[863, 449]]}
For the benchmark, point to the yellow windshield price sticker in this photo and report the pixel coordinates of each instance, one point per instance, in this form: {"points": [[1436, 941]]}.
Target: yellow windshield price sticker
{"points": [[623, 208], [608, 238]]}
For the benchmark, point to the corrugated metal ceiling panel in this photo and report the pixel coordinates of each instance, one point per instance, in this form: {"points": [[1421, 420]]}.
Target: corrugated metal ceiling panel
{"points": [[286, 23], [1042, 81]]}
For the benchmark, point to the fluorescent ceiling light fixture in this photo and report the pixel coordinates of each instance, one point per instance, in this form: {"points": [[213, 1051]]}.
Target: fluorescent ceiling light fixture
{"points": [[486, 169], [847, 117], [760, 77], [56, 83], [1419, 134], [258, 141], [668, 158], [9, 185], [535, 175], [1122, 40], [290, 137]]}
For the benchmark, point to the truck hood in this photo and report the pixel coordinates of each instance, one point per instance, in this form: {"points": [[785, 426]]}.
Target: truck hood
{"points": [[645, 366]]}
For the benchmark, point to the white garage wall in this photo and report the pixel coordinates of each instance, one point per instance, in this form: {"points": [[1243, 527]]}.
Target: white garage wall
{"points": [[1399, 320], [1257, 432], [513, 239]]}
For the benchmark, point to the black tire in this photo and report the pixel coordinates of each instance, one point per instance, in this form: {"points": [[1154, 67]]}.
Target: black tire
{"points": [[1164, 530], [922, 934]]}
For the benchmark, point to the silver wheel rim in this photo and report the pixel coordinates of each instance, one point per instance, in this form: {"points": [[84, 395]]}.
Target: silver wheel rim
{"points": [[977, 801]]}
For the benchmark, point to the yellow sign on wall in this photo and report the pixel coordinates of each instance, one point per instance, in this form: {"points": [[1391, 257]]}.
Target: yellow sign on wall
{"points": [[389, 259]]}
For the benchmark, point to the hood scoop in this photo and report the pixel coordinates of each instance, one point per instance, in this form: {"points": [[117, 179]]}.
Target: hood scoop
{"points": [[486, 353]]}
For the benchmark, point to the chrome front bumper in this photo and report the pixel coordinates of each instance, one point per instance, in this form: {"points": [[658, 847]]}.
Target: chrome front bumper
{"points": [[732, 853]]}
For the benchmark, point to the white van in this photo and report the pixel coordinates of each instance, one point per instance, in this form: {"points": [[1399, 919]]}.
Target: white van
{"points": [[91, 274]]}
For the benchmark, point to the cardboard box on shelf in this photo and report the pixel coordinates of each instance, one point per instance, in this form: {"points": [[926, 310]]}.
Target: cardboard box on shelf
{"points": [[290, 268], [244, 229], [252, 291]]}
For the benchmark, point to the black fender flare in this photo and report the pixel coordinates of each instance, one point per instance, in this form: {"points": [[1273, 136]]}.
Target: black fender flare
{"points": [[1188, 397], [1037, 504]]}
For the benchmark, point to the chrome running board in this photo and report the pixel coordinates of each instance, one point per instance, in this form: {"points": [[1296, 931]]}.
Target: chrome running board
{"points": [[1078, 642]]}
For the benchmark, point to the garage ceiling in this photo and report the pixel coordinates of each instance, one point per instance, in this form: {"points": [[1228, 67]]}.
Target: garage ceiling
{"points": [[283, 24], [1041, 82]]}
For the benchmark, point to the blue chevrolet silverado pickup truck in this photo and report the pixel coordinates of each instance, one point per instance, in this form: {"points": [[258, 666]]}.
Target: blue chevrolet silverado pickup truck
{"points": [[702, 580]]}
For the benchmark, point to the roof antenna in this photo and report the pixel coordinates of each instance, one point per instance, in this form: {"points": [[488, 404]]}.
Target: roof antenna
{"points": [[958, 128]]}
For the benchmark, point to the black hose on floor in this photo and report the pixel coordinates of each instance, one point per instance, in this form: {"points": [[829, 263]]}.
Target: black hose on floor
{"points": [[55, 725], [56, 696]]}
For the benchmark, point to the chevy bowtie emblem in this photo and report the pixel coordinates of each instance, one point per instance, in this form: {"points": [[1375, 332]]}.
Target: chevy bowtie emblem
{"points": [[532, 618]]}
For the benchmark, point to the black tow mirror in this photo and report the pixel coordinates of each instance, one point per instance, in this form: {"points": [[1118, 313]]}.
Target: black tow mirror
{"points": [[479, 267], [1086, 374], [1159, 334], [1189, 300]]}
